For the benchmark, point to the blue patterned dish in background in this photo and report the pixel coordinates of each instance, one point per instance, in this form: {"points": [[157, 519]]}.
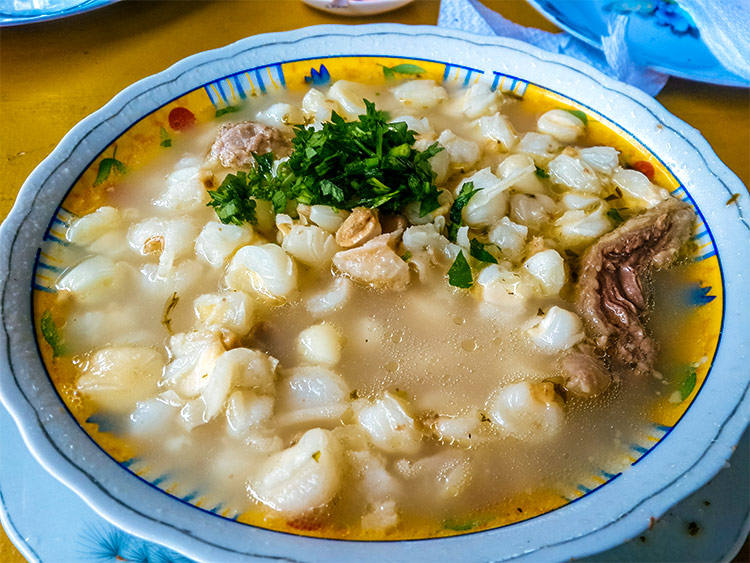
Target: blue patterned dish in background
{"points": [[18, 12], [660, 35]]}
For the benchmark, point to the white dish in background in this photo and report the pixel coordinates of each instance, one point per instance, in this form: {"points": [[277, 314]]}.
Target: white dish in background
{"points": [[679, 462], [356, 7]]}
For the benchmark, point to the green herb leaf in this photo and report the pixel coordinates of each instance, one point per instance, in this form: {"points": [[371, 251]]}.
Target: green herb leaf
{"points": [[406, 256], [688, 384], [51, 334], [477, 251], [164, 136], [408, 68], [541, 173], [459, 274], [316, 456], [580, 115], [226, 110], [388, 73], [105, 168], [169, 306], [119, 166], [614, 214], [464, 525], [467, 192]]}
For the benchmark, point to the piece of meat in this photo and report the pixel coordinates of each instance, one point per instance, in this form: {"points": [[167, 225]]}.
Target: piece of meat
{"points": [[361, 226], [612, 288], [375, 263], [236, 142], [585, 373]]}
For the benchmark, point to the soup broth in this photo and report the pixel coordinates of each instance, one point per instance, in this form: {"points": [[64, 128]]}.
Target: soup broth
{"points": [[296, 392]]}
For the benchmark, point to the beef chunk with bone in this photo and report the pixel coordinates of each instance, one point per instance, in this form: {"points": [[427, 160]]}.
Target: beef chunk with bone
{"points": [[613, 293]]}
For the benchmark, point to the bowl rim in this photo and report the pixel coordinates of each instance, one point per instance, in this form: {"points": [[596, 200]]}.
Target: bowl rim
{"points": [[37, 438]]}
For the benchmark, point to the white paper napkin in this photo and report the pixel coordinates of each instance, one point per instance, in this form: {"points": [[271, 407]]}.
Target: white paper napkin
{"points": [[724, 26], [613, 59]]}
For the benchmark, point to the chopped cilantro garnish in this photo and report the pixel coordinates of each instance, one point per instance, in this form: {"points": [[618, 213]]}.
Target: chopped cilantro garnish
{"points": [[580, 115], [541, 173], [406, 68], [688, 384], [459, 274], [51, 334], [226, 110], [364, 163], [614, 214], [105, 168], [464, 525], [406, 256], [467, 191], [164, 137], [477, 251], [166, 316], [232, 199]]}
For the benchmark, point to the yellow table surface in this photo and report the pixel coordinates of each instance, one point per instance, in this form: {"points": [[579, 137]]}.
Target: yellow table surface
{"points": [[54, 74]]}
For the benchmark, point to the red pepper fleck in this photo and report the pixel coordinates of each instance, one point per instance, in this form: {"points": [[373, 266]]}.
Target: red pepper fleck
{"points": [[645, 168], [181, 118], [307, 524]]}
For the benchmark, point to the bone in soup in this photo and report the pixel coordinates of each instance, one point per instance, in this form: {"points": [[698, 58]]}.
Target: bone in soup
{"points": [[402, 319]]}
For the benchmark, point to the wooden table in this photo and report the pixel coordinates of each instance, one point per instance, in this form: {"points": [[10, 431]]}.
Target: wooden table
{"points": [[54, 74]]}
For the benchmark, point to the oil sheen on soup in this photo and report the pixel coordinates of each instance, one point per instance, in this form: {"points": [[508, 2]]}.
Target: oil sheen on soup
{"points": [[402, 319]]}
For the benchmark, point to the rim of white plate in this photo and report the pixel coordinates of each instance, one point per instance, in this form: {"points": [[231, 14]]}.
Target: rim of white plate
{"points": [[691, 454]]}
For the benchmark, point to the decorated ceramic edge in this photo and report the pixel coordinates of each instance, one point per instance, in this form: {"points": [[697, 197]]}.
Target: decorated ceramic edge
{"points": [[70, 475], [9, 20]]}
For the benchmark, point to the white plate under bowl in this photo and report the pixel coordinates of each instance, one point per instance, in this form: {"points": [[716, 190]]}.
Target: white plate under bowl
{"points": [[685, 458]]}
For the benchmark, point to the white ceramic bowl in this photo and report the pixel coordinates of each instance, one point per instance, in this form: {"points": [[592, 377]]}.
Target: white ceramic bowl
{"points": [[683, 458]]}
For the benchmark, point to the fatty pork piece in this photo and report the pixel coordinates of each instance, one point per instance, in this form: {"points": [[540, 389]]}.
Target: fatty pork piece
{"points": [[613, 293], [586, 375], [236, 142], [375, 263]]}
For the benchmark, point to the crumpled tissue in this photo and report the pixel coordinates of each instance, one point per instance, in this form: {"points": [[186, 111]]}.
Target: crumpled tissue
{"points": [[724, 26], [614, 59]]}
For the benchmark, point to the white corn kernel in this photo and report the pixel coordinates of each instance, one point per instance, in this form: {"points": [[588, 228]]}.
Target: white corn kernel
{"points": [[561, 124], [217, 242], [558, 329], [320, 344], [528, 410], [548, 268], [264, 269]]}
